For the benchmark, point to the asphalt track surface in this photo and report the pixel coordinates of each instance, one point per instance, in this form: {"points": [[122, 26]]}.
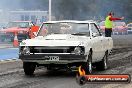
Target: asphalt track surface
{"points": [[120, 62]]}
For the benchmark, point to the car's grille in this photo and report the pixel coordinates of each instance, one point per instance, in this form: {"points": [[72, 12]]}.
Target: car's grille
{"points": [[51, 49]]}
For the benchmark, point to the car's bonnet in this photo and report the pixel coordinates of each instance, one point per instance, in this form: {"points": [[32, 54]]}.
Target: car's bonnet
{"points": [[56, 40]]}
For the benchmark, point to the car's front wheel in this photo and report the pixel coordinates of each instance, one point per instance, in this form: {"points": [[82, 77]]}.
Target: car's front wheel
{"points": [[29, 68], [88, 65], [103, 65]]}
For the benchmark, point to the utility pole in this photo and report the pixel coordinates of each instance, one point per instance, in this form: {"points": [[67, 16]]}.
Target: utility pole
{"points": [[49, 10]]}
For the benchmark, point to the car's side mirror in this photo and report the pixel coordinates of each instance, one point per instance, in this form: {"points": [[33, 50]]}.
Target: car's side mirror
{"points": [[101, 33], [94, 34]]}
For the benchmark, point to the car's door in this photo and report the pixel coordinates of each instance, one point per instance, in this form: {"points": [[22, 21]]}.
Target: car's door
{"points": [[97, 40]]}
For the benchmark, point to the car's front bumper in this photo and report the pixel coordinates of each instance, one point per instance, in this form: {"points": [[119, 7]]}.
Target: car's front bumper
{"points": [[63, 58]]}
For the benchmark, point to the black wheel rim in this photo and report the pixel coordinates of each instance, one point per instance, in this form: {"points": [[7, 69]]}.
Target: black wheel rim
{"points": [[90, 63], [105, 61]]}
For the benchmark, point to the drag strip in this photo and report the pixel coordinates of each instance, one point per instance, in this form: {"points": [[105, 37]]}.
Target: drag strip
{"points": [[12, 74], [120, 62]]}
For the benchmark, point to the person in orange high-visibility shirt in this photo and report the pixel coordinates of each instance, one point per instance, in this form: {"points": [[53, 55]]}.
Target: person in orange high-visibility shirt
{"points": [[109, 24], [33, 29]]}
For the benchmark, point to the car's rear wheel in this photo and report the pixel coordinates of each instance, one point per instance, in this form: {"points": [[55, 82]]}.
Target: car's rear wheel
{"points": [[29, 68], [88, 65], [103, 65]]}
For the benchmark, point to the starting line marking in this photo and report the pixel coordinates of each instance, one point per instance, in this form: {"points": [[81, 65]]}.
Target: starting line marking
{"points": [[9, 60]]}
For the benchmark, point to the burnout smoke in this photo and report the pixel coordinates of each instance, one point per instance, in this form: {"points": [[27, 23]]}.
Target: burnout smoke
{"points": [[74, 9]]}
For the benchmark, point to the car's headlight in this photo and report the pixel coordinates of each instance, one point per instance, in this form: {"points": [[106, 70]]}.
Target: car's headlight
{"points": [[25, 50], [77, 51]]}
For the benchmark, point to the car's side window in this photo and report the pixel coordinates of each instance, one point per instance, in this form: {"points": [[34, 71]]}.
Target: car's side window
{"points": [[84, 28], [95, 29]]}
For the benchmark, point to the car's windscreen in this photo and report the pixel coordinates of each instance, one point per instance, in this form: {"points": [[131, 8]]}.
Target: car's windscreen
{"points": [[64, 28], [18, 24]]}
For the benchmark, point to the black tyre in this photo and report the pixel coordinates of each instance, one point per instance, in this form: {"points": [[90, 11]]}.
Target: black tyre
{"points": [[103, 65], [88, 65], [29, 68]]}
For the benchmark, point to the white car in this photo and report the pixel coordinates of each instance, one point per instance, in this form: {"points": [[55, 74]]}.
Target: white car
{"points": [[129, 30], [66, 44]]}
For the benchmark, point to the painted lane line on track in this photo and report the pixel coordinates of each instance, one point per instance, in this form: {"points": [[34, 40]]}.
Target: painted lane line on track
{"points": [[6, 59], [9, 60]]}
